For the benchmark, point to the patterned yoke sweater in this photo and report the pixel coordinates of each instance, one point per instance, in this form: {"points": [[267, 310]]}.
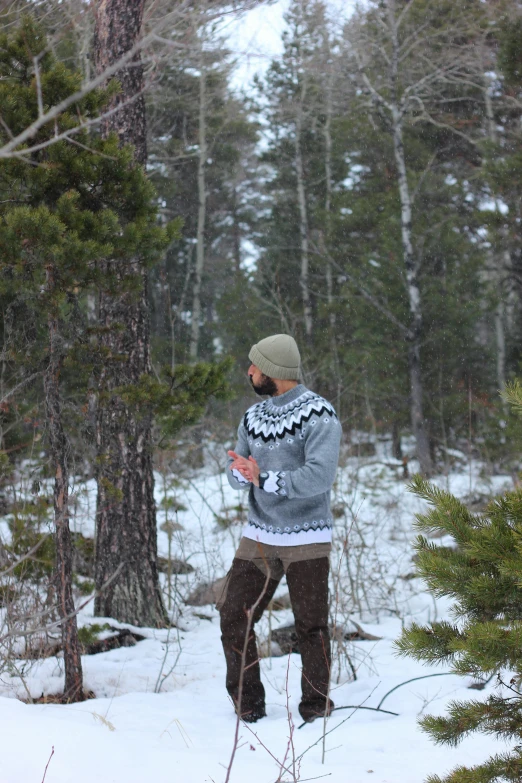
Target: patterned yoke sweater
{"points": [[294, 437]]}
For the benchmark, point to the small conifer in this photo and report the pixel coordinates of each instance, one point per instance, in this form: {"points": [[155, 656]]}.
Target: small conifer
{"points": [[482, 572]]}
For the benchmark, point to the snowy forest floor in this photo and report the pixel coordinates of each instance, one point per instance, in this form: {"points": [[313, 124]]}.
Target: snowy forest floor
{"points": [[161, 712]]}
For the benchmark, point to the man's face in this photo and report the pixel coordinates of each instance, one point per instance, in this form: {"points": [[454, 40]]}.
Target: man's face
{"points": [[261, 383]]}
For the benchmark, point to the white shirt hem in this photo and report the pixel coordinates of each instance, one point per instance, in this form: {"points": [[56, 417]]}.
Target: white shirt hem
{"points": [[323, 536]]}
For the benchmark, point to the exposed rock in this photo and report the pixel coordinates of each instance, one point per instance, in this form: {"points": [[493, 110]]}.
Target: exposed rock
{"points": [[284, 640], [358, 635], [176, 566], [122, 638], [206, 593]]}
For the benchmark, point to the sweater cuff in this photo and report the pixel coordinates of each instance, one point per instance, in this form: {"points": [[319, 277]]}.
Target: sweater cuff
{"points": [[239, 477], [275, 483]]}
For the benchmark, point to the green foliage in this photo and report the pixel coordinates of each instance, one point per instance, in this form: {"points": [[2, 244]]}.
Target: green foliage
{"points": [[179, 397], [5, 466], [88, 634], [81, 202], [84, 586], [482, 572], [513, 394], [510, 51], [358, 352], [77, 200], [232, 515], [31, 542], [173, 109]]}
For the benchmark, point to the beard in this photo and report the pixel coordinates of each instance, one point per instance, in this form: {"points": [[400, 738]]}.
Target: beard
{"points": [[265, 386]]}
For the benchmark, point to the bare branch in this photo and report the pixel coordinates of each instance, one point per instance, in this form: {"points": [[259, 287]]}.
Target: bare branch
{"points": [[28, 555]]}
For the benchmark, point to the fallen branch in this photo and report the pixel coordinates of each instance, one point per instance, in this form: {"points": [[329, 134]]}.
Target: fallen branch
{"points": [[413, 679], [356, 707], [325, 734]]}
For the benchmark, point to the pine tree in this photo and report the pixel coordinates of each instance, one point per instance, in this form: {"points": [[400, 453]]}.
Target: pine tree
{"points": [[481, 573], [72, 204]]}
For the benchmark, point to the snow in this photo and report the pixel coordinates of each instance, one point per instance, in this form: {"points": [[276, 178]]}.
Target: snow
{"points": [[161, 712]]}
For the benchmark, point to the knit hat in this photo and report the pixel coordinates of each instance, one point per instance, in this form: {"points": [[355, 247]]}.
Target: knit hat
{"points": [[277, 356]]}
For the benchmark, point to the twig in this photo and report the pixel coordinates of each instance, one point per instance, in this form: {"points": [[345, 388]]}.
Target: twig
{"points": [[19, 385], [162, 677], [338, 725], [250, 616], [279, 763], [21, 634], [26, 556], [48, 762]]}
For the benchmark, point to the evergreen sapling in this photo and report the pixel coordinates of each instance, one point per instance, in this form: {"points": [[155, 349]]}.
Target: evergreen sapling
{"points": [[482, 572]]}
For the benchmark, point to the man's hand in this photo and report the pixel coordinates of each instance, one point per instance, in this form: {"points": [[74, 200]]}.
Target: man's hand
{"points": [[248, 468]]}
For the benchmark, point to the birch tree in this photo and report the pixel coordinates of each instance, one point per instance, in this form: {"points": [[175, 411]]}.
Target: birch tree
{"points": [[397, 77]]}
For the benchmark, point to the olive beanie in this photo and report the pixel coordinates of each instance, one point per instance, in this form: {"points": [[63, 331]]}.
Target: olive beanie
{"points": [[277, 357]]}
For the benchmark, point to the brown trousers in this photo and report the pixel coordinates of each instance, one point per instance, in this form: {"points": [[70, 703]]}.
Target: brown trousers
{"points": [[308, 586]]}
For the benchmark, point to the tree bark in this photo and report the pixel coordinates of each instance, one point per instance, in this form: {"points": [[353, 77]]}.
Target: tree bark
{"points": [[414, 295], [73, 690], [415, 306], [126, 535], [496, 270], [327, 131], [202, 211], [117, 28], [303, 218]]}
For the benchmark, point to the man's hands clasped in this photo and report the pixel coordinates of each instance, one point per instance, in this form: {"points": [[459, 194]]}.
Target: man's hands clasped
{"points": [[248, 468]]}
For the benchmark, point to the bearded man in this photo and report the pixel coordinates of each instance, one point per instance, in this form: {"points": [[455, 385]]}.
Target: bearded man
{"points": [[286, 458]]}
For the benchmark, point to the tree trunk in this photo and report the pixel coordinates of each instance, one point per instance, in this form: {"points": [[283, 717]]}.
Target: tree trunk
{"points": [[202, 210], [501, 345], [303, 219], [328, 221], [126, 537], [414, 295], [126, 534], [117, 28], [415, 304], [236, 236], [73, 690], [496, 270]]}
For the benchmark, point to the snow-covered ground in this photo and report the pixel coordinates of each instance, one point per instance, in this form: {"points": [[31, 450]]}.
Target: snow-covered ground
{"points": [[161, 712]]}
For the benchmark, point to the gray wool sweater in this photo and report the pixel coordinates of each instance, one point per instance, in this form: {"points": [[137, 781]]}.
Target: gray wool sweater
{"points": [[295, 437]]}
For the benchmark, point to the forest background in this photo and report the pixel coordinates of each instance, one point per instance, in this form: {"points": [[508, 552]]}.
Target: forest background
{"points": [[362, 196]]}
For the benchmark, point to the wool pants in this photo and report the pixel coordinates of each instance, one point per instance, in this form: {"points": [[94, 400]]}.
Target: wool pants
{"points": [[247, 587]]}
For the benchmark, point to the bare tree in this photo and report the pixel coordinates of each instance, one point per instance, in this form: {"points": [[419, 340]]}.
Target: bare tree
{"points": [[160, 19]]}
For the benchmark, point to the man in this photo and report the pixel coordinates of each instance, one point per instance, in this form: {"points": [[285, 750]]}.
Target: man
{"points": [[286, 456]]}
